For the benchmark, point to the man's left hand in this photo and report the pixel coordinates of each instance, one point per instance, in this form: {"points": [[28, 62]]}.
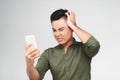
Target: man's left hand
{"points": [[71, 19]]}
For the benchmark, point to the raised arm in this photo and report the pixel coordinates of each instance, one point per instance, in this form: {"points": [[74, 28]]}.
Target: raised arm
{"points": [[91, 45], [30, 55], [82, 34]]}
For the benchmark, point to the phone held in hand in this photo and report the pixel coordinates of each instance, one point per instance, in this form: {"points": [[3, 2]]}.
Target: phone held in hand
{"points": [[30, 39]]}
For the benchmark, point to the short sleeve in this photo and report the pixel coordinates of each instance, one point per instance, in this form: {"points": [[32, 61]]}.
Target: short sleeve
{"points": [[91, 47], [43, 64]]}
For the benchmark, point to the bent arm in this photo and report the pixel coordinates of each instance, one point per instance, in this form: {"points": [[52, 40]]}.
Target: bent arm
{"points": [[30, 55], [82, 34], [91, 45]]}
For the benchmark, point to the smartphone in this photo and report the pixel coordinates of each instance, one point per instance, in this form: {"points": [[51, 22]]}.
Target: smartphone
{"points": [[30, 39]]}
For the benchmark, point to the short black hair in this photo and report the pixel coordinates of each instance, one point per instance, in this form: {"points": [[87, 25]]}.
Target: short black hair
{"points": [[58, 14]]}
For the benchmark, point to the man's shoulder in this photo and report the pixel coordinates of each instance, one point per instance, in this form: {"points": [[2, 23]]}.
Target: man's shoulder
{"points": [[51, 49], [77, 43]]}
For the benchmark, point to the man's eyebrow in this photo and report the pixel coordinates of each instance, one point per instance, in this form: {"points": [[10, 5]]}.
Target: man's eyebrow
{"points": [[59, 28], [53, 28]]}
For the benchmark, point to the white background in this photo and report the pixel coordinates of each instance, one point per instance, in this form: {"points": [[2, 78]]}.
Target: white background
{"points": [[18, 18]]}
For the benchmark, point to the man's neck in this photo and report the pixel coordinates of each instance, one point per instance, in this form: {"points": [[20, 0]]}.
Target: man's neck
{"points": [[66, 46]]}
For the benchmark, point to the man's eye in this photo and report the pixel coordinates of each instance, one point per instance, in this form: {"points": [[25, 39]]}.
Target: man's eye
{"points": [[61, 29], [53, 30]]}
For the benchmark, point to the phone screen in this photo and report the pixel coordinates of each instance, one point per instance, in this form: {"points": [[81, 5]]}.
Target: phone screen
{"points": [[30, 39]]}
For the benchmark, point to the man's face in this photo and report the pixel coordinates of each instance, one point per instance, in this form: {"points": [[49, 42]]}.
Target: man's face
{"points": [[61, 31]]}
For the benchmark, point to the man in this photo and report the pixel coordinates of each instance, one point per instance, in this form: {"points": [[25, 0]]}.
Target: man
{"points": [[69, 60]]}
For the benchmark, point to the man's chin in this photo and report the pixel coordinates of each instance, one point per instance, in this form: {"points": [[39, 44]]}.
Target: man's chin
{"points": [[61, 43]]}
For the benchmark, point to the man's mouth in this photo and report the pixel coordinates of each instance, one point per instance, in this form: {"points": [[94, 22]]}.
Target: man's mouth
{"points": [[59, 39]]}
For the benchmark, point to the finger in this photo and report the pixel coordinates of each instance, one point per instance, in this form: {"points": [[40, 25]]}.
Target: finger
{"points": [[27, 46], [38, 55], [32, 50], [35, 52], [29, 50], [34, 55], [71, 13], [67, 13], [26, 49]]}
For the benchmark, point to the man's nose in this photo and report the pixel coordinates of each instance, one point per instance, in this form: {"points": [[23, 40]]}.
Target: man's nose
{"points": [[57, 34]]}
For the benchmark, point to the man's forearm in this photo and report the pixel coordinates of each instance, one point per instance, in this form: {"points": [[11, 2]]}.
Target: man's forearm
{"points": [[83, 35], [32, 73]]}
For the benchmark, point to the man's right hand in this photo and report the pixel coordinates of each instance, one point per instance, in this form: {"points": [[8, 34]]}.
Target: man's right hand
{"points": [[30, 54]]}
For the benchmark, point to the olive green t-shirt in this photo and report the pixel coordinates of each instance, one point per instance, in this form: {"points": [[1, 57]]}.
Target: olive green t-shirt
{"points": [[72, 65]]}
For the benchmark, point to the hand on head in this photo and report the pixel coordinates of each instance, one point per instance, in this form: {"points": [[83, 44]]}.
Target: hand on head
{"points": [[70, 18]]}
